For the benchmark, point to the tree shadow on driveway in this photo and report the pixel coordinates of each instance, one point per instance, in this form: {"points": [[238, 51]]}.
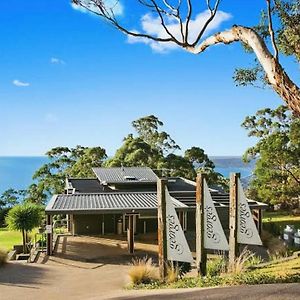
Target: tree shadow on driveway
{"points": [[21, 274]]}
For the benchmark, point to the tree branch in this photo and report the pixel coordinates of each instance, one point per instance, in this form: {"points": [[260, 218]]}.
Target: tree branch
{"points": [[292, 174], [188, 18], [164, 25], [105, 15], [209, 20], [275, 74], [271, 31]]}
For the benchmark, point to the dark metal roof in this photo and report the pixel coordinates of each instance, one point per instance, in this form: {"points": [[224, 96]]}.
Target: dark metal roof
{"points": [[184, 190], [105, 202], [180, 188], [125, 175], [91, 185]]}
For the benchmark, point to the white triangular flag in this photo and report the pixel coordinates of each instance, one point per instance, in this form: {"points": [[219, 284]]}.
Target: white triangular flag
{"points": [[177, 246], [214, 236], [247, 232]]}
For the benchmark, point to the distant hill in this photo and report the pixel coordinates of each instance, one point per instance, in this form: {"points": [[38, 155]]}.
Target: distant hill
{"points": [[231, 162]]}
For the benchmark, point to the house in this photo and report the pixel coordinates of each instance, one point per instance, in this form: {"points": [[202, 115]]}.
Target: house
{"points": [[102, 205]]}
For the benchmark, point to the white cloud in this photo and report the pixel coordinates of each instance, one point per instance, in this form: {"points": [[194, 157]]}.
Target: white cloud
{"points": [[152, 25], [116, 6], [20, 83], [57, 61], [51, 118]]}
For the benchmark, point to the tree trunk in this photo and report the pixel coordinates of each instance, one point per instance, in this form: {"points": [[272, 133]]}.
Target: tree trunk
{"points": [[277, 77], [24, 241]]}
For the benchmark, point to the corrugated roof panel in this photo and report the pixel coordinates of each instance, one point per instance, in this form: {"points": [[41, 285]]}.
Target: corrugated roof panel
{"points": [[125, 175], [106, 201]]}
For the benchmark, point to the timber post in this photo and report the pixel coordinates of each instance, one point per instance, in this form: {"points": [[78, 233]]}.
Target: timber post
{"points": [[130, 234], [49, 235], [162, 230], [233, 218], [201, 255]]}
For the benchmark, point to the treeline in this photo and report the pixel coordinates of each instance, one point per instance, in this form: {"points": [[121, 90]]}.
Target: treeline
{"points": [[148, 145]]}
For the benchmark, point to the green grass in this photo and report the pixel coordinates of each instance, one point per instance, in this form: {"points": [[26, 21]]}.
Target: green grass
{"points": [[9, 238], [280, 216]]}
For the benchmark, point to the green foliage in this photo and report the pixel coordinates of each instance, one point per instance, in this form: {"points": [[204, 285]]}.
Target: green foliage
{"points": [[216, 266], [147, 129], [283, 272], [3, 213], [287, 36], [9, 238], [277, 171], [64, 162], [11, 197], [135, 152], [155, 148], [24, 218]]}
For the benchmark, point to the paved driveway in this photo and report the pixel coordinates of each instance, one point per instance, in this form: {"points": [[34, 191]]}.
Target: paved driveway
{"points": [[83, 268], [58, 281]]}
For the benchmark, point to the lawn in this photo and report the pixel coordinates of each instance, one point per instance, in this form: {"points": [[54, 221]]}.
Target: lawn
{"points": [[279, 216], [289, 267], [9, 238]]}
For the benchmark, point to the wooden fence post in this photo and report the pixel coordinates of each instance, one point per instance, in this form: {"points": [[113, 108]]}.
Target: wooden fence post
{"points": [[130, 234], [201, 255], [162, 232], [233, 218], [49, 235]]}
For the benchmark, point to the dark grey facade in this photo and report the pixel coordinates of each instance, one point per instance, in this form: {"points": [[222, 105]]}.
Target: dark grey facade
{"points": [[101, 205]]}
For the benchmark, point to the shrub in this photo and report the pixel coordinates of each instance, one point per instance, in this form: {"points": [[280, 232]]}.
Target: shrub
{"points": [[274, 245], [240, 263], [173, 273], [3, 257], [142, 271], [253, 261], [183, 267], [216, 266]]}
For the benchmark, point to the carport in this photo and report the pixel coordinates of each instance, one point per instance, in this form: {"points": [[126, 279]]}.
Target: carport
{"points": [[108, 213]]}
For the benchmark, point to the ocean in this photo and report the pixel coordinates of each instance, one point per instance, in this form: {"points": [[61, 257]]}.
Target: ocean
{"points": [[16, 172]]}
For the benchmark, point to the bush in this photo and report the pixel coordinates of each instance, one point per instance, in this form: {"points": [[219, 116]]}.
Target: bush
{"points": [[183, 267], [274, 245], [3, 257], [3, 213], [217, 266], [241, 262], [142, 271], [173, 273]]}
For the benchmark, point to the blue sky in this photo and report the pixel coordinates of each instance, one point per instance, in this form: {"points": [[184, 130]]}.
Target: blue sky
{"points": [[67, 78]]}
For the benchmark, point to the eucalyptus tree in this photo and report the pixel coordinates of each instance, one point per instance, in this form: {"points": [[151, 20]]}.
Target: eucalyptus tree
{"points": [[277, 170], [151, 146], [65, 162], [177, 27]]}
